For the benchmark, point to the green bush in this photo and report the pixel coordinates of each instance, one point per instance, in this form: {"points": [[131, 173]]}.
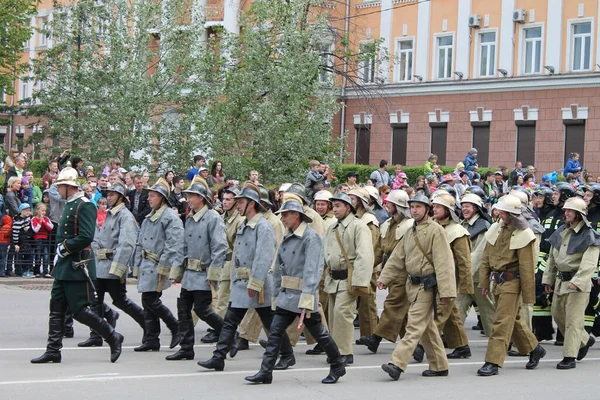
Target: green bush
{"points": [[364, 171]]}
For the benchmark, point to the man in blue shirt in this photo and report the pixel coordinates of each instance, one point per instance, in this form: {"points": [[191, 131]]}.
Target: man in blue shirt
{"points": [[198, 163]]}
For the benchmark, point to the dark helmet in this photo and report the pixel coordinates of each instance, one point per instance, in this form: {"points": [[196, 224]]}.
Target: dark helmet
{"points": [[344, 198], [299, 190], [264, 195], [476, 190], [521, 189], [448, 188], [161, 187], [566, 190], [252, 193], [119, 187], [420, 198], [594, 188], [234, 190], [292, 205], [546, 192], [200, 190]]}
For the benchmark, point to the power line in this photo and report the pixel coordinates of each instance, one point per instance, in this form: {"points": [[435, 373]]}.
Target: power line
{"points": [[386, 9]]}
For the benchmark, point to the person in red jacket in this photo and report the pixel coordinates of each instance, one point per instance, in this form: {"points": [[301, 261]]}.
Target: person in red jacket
{"points": [[5, 239], [42, 226]]}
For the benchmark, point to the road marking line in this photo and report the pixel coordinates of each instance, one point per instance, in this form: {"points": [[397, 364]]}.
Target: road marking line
{"points": [[246, 372]]}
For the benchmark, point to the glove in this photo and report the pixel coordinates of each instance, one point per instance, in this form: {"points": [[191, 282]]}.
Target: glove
{"points": [[61, 250]]}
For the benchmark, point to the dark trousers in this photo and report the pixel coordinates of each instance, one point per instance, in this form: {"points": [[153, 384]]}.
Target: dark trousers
{"points": [[154, 311], [118, 292], [199, 301]]}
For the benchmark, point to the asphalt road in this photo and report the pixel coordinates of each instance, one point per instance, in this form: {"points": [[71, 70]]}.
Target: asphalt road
{"points": [[88, 373]]}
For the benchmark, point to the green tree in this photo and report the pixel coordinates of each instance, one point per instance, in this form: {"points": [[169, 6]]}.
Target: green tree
{"points": [[115, 75], [15, 29]]}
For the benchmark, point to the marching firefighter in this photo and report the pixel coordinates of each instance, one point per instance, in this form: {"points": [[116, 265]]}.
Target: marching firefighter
{"points": [[204, 249], [297, 272], [573, 260], [250, 279], [428, 273], [74, 270], [592, 319], [508, 263], [449, 320], [113, 246], [160, 248], [395, 307]]}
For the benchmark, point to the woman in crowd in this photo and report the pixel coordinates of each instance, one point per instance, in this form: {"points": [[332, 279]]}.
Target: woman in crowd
{"points": [[169, 175], [12, 199], [216, 173]]}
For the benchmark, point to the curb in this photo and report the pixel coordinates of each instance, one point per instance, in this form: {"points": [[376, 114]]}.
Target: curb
{"points": [[41, 281]]}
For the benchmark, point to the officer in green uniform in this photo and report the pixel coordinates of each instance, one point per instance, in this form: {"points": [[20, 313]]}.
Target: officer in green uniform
{"points": [[73, 271]]}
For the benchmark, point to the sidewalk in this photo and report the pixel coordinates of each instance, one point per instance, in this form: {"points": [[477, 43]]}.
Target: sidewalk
{"points": [[19, 281]]}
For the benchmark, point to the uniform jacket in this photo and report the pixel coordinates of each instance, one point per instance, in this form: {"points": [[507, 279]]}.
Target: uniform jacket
{"points": [[233, 220], [329, 220], [477, 227], [371, 220], [161, 234], [298, 270], [509, 249], [407, 259], [206, 241], [392, 232], [276, 224], [117, 236], [317, 222], [356, 238], [458, 237], [582, 263], [77, 246], [252, 258]]}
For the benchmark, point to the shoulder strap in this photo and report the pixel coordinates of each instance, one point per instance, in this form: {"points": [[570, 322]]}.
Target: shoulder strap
{"points": [[337, 236], [415, 236], [76, 220]]}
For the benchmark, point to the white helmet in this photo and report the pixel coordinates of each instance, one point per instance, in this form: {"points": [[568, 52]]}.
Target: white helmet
{"points": [[509, 203], [576, 204], [521, 196], [323, 195], [399, 198], [284, 187], [446, 200], [473, 199]]}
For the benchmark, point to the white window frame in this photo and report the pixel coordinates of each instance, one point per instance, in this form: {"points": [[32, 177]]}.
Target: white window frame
{"points": [[43, 25], [522, 47], [397, 51], [434, 71], [24, 88], [571, 44], [361, 65], [477, 67], [325, 77]]}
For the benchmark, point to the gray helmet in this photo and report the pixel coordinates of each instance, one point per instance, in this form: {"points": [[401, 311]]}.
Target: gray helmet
{"points": [[420, 198], [234, 190], [119, 187], [161, 187], [251, 192], [299, 190], [264, 195], [344, 198], [292, 205], [200, 190]]}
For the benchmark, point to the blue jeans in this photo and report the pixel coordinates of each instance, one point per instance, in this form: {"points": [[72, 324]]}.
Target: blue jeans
{"points": [[23, 261], [3, 257], [41, 251]]}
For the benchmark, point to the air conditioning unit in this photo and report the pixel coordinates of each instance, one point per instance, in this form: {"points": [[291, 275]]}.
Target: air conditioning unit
{"points": [[519, 15], [475, 21]]}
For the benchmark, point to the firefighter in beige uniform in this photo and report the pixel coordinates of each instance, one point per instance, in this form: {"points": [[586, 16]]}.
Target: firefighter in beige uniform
{"points": [[350, 267], [429, 273], [367, 305], [395, 307], [449, 321], [476, 222], [573, 260], [508, 261]]}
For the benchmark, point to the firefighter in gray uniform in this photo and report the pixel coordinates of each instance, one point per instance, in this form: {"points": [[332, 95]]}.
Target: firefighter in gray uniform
{"points": [[113, 246], [250, 280], [205, 248], [159, 248], [296, 277]]}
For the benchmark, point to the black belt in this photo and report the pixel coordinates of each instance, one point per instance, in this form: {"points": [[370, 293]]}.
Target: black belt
{"points": [[565, 276], [339, 274], [428, 282], [228, 257], [506, 276]]}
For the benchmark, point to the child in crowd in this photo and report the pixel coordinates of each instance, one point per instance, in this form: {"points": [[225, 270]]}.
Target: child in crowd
{"points": [[22, 239], [26, 192], [101, 215], [314, 179], [5, 239], [42, 226]]}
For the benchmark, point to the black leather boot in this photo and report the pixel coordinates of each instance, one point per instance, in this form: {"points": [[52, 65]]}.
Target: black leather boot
{"points": [[372, 342], [69, 332], [94, 340], [103, 328], [151, 333], [210, 337], [133, 310], [187, 343], [315, 351], [584, 350], [535, 356], [226, 339], [111, 316], [261, 377], [169, 319], [392, 370], [56, 331], [419, 353], [567, 363], [460, 352], [488, 369]]}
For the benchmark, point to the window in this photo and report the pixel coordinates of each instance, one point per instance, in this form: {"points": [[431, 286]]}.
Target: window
{"points": [[574, 138], [487, 54], [481, 141], [526, 142], [326, 63], [363, 144], [24, 88], [444, 57], [399, 144], [532, 44], [366, 63], [581, 46], [439, 141], [404, 60], [43, 32]]}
